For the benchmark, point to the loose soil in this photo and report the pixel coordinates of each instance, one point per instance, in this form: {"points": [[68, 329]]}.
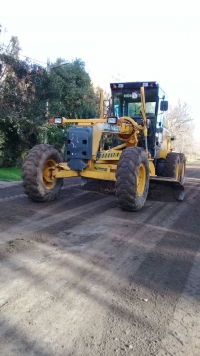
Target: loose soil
{"points": [[81, 277]]}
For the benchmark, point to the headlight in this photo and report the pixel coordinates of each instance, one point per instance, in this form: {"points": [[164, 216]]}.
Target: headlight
{"points": [[112, 120], [57, 120]]}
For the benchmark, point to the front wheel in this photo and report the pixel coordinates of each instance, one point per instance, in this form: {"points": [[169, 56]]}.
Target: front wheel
{"points": [[132, 182], [37, 179]]}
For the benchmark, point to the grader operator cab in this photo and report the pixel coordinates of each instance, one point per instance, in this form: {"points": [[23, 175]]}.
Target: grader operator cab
{"points": [[143, 153]]}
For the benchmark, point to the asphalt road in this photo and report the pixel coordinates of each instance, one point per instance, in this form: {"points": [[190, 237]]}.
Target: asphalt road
{"points": [[78, 276]]}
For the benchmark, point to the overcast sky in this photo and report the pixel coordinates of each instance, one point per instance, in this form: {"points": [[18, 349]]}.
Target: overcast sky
{"points": [[127, 40]]}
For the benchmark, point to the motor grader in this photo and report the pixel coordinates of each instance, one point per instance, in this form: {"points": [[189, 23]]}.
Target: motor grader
{"points": [[143, 152]]}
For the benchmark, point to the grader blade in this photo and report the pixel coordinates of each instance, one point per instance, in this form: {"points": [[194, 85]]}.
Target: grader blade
{"points": [[170, 183], [179, 192]]}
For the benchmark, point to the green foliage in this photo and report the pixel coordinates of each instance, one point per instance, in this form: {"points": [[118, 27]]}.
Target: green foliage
{"points": [[10, 144], [25, 89], [23, 95], [10, 174], [72, 94], [55, 135]]}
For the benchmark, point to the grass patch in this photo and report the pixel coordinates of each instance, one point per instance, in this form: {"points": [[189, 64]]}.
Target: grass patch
{"points": [[10, 174]]}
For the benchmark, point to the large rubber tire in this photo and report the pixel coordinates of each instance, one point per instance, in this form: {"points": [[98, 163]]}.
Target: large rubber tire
{"points": [[132, 183], [172, 165], [34, 183], [182, 168]]}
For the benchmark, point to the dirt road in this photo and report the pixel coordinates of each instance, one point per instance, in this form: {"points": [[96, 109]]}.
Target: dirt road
{"points": [[81, 277]]}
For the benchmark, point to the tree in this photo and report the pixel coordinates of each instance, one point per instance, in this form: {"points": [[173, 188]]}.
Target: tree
{"points": [[72, 92], [25, 89], [23, 94], [179, 122]]}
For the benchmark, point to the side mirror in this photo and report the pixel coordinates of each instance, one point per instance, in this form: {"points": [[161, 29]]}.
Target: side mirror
{"points": [[164, 105]]}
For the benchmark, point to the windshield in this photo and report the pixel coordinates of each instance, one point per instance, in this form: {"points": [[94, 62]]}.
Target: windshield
{"points": [[129, 103]]}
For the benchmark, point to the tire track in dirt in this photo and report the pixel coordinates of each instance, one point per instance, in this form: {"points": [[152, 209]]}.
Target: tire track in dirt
{"points": [[65, 242], [162, 276], [86, 286], [37, 222], [86, 283], [140, 226], [11, 196], [83, 295], [183, 332]]}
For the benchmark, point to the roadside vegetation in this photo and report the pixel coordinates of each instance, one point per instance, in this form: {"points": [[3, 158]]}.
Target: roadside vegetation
{"points": [[13, 174], [30, 94]]}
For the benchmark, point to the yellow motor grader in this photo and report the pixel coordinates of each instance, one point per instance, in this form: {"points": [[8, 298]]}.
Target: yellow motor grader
{"points": [[142, 151]]}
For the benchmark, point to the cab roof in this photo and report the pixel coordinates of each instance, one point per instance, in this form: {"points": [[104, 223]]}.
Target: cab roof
{"points": [[133, 85]]}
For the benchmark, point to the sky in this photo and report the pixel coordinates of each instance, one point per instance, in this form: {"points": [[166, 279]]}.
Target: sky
{"points": [[118, 40]]}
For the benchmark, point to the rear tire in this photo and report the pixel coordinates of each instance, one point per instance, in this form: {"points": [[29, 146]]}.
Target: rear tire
{"points": [[132, 182], [36, 184], [182, 168], [172, 165]]}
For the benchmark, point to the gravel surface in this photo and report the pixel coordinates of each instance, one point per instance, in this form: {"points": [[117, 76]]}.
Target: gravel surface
{"points": [[81, 277]]}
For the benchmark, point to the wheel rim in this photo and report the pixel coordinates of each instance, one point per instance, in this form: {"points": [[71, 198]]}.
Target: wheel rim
{"points": [[48, 179], [183, 170], [141, 179], [177, 171]]}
